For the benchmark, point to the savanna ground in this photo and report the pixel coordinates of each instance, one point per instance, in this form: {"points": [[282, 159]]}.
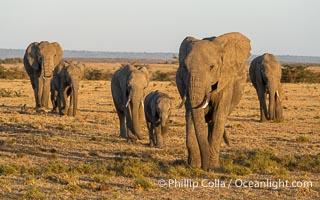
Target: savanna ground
{"points": [[47, 156]]}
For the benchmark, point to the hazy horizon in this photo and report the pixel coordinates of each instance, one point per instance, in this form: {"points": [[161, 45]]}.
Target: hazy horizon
{"points": [[280, 27]]}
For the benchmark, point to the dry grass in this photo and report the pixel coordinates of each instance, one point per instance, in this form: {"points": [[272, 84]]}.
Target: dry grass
{"points": [[46, 156]]}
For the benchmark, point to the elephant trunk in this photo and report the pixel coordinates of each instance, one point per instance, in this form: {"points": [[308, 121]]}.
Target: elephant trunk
{"points": [[45, 92], [197, 95], [164, 126], [135, 105], [163, 121], [47, 66]]}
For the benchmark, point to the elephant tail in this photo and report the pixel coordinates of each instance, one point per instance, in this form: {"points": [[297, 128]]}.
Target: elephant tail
{"points": [[225, 138]]}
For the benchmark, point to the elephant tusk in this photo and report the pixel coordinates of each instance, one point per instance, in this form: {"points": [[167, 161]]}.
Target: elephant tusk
{"points": [[142, 104], [278, 95], [128, 102], [205, 104], [44, 78]]}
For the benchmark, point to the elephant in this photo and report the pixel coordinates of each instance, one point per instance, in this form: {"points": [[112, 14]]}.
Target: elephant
{"points": [[128, 85], [265, 75], [65, 83], [157, 109], [55, 86], [39, 61], [210, 79]]}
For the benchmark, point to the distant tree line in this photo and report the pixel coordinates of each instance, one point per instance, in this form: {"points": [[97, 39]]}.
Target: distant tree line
{"points": [[291, 73], [11, 60]]}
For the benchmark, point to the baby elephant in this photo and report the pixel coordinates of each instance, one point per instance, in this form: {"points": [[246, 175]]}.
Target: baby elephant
{"points": [[65, 83], [157, 108]]}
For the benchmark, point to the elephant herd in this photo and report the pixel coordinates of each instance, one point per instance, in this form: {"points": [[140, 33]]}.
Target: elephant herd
{"points": [[210, 79], [49, 73]]}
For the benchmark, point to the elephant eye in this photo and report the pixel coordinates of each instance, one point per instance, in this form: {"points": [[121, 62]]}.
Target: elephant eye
{"points": [[211, 67]]}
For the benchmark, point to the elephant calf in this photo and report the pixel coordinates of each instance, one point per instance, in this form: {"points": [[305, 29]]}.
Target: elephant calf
{"points": [[65, 83], [265, 75], [157, 108]]}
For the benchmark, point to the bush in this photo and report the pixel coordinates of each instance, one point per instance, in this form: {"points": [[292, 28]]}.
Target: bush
{"points": [[94, 74], [14, 73], [293, 73], [160, 76]]}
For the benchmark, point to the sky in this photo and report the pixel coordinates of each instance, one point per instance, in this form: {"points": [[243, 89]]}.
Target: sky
{"points": [[281, 27]]}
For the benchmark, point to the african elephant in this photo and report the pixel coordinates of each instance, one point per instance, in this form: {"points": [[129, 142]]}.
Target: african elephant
{"points": [[128, 85], [210, 79], [265, 75], [39, 61], [157, 109], [55, 86], [65, 83]]}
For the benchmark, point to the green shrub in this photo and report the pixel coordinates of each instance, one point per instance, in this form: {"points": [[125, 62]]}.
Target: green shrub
{"points": [[8, 169]]}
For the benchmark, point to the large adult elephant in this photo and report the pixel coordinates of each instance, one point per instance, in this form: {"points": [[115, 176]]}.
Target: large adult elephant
{"points": [[128, 85], [210, 79], [39, 61], [265, 75]]}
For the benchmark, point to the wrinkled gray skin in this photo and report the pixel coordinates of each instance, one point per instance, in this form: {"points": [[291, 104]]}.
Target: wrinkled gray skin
{"points": [[265, 75], [64, 85], [157, 109], [210, 79], [39, 61], [128, 85]]}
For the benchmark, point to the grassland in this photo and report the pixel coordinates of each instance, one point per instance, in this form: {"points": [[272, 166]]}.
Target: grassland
{"points": [[46, 156]]}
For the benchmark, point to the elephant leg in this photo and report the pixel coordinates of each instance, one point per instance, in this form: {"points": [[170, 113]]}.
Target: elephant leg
{"points": [[122, 121], [34, 83], [278, 109], [194, 158], [263, 105], [54, 100], [38, 91], [70, 109], [159, 138], [219, 120], [210, 131], [151, 135], [64, 99]]}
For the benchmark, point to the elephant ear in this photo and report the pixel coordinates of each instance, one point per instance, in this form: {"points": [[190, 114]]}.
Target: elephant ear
{"points": [[236, 50], [183, 50], [32, 55], [146, 72], [59, 53]]}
